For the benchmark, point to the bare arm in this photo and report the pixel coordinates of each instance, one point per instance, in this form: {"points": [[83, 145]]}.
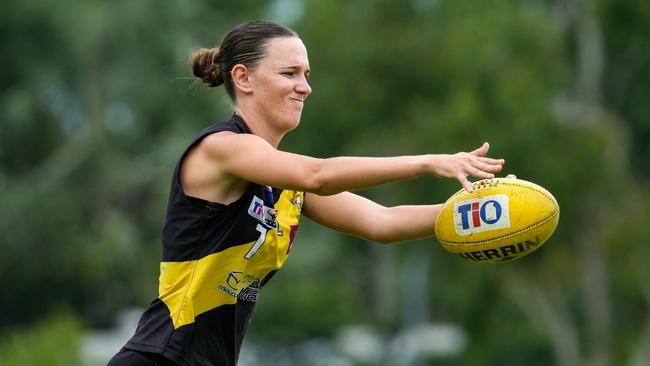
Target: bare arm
{"points": [[358, 216], [251, 158]]}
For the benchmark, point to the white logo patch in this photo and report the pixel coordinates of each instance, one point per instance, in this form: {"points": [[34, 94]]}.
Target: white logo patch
{"points": [[482, 214], [256, 209], [266, 215]]}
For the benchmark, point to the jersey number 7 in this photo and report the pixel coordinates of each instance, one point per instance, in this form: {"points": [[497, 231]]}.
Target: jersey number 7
{"points": [[258, 244]]}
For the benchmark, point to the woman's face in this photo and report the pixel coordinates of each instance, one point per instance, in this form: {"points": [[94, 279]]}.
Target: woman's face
{"points": [[279, 82]]}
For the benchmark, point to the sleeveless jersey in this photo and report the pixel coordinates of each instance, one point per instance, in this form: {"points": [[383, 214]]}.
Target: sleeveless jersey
{"points": [[215, 260]]}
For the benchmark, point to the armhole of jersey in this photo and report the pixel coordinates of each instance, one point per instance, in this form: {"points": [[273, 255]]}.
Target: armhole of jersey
{"points": [[177, 175]]}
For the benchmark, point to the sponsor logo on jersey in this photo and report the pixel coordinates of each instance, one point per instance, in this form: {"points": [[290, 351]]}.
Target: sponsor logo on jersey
{"points": [[256, 208], [481, 214], [251, 293], [235, 281], [232, 280], [266, 215]]}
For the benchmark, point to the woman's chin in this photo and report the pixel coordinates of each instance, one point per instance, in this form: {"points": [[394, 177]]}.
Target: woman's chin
{"points": [[292, 122]]}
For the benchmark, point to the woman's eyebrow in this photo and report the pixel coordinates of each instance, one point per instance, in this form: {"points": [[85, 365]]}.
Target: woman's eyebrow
{"points": [[295, 66]]}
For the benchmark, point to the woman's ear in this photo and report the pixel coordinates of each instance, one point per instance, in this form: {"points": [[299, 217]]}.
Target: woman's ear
{"points": [[241, 78]]}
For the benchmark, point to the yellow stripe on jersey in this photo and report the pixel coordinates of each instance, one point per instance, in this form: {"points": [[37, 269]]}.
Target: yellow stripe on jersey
{"points": [[190, 288]]}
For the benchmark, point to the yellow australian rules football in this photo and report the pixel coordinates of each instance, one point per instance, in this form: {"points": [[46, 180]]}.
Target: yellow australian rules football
{"points": [[502, 219]]}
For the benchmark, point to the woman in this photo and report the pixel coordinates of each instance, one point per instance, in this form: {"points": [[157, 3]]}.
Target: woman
{"points": [[236, 201]]}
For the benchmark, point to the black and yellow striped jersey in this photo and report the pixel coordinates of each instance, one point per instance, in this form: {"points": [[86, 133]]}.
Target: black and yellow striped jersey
{"points": [[215, 260]]}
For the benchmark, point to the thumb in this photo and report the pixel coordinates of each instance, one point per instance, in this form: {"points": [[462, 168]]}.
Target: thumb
{"points": [[482, 151]]}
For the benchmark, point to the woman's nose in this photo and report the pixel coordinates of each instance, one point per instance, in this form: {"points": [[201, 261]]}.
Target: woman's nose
{"points": [[303, 87]]}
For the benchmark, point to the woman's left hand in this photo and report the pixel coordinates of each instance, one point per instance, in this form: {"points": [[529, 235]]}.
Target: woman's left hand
{"points": [[464, 164]]}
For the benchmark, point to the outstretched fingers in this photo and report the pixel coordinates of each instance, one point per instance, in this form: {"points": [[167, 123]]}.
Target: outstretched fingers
{"points": [[479, 166], [468, 164], [490, 167], [490, 160]]}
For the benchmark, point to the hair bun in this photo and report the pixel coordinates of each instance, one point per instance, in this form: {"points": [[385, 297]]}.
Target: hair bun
{"points": [[205, 66]]}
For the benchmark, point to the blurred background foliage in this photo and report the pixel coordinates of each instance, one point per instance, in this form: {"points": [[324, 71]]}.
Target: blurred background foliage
{"points": [[97, 102]]}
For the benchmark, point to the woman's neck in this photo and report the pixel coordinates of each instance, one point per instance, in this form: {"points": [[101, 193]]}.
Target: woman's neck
{"points": [[258, 125]]}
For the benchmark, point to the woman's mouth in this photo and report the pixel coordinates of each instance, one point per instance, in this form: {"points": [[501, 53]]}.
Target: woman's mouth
{"points": [[298, 100]]}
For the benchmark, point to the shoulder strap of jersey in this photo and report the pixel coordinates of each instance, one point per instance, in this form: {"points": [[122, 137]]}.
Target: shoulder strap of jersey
{"points": [[236, 124]]}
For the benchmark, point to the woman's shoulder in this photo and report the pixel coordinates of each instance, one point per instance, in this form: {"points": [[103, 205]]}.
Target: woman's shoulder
{"points": [[227, 142]]}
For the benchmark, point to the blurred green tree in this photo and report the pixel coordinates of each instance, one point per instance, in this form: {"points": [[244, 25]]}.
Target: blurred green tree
{"points": [[97, 102]]}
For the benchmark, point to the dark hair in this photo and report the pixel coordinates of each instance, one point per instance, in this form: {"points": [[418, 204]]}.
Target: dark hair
{"points": [[243, 45]]}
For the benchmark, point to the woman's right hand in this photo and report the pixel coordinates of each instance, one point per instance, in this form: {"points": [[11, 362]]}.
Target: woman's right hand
{"points": [[464, 164]]}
